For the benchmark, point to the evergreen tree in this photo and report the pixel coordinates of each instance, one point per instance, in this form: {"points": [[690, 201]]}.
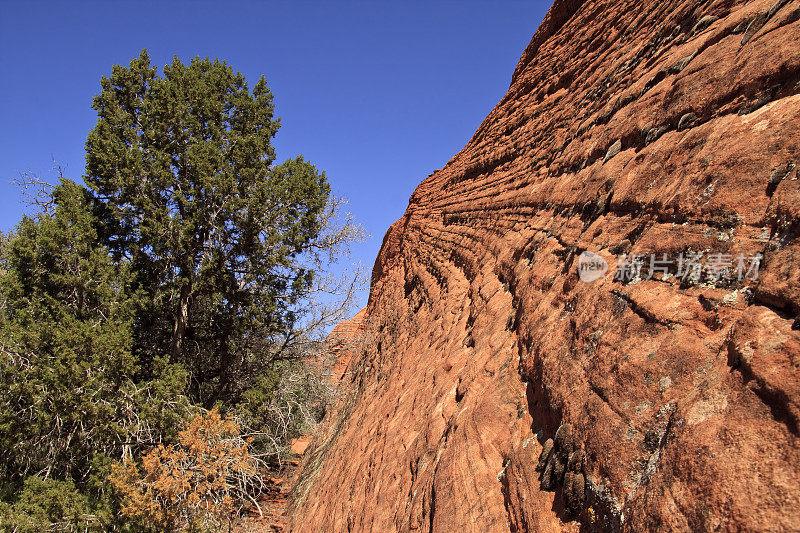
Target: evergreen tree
{"points": [[71, 399], [182, 170]]}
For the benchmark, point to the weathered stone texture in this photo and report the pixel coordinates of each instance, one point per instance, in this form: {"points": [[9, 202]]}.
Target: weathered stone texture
{"points": [[630, 127]]}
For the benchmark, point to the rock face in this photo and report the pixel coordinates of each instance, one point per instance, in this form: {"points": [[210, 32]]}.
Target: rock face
{"points": [[491, 389], [342, 344]]}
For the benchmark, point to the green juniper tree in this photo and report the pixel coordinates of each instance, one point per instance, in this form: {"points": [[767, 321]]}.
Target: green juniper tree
{"points": [[184, 177], [70, 399]]}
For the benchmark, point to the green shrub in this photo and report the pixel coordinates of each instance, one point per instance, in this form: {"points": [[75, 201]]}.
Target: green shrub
{"points": [[48, 504]]}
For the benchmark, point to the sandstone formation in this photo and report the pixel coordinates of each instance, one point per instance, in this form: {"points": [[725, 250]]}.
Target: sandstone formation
{"points": [[342, 344], [491, 389]]}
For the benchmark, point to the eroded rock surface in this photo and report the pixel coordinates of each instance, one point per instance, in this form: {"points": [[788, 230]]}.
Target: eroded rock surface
{"points": [[493, 390]]}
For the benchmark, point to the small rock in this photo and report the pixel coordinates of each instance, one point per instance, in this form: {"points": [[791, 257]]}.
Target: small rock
{"points": [[568, 449], [682, 64], [575, 492], [652, 440], [654, 133], [752, 28], [575, 462], [796, 324], [704, 23], [778, 175], [568, 479], [468, 341], [625, 100], [622, 247], [776, 7], [547, 475], [563, 435], [730, 298], [511, 320], [605, 115], [652, 82], [547, 450], [613, 150], [708, 304], [687, 121], [760, 100], [741, 27], [558, 470]]}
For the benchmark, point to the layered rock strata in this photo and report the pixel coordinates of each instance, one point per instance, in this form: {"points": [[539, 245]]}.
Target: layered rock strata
{"points": [[492, 389]]}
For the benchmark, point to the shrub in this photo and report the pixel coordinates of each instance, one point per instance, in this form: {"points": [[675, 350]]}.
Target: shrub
{"points": [[197, 484], [285, 401], [48, 504]]}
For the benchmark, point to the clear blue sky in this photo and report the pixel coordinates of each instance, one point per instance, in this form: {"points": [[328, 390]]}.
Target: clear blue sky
{"points": [[377, 94]]}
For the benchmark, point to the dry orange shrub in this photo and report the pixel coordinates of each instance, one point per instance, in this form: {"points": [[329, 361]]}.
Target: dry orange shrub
{"points": [[195, 484]]}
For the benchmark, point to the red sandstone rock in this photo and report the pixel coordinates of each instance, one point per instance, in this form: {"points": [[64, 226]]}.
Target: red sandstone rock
{"points": [[342, 343], [630, 127], [299, 445]]}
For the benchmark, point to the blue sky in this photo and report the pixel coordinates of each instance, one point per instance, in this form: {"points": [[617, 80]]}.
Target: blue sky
{"points": [[377, 94]]}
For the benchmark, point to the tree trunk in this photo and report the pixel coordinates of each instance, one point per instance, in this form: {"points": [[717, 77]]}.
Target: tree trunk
{"points": [[181, 323], [225, 363]]}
